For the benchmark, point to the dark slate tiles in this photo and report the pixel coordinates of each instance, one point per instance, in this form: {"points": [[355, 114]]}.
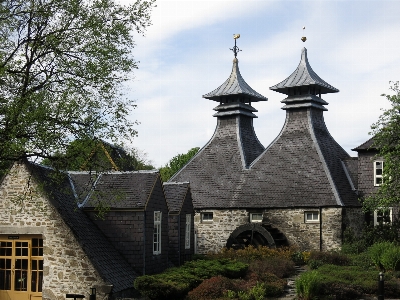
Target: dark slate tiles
{"points": [[304, 75], [175, 193], [111, 266], [235, 85], [124, 190]]}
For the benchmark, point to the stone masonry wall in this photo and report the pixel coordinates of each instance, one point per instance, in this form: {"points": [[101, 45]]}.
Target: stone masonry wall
{"points": [[354, 219], [23, 211], [212, 236]]}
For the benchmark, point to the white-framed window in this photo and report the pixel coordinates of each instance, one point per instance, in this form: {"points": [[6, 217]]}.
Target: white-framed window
{"points": [[378, 172], [256, 217], [383, 216], [311, 216], [187, 230], [157, 232], [207, 217]]}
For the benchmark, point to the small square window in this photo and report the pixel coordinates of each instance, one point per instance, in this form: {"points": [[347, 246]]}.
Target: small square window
{"points": [[256, 217], [311, 216], [207, 217]]}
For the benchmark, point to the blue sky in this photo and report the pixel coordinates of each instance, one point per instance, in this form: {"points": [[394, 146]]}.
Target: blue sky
{"points": [[352, 45]]}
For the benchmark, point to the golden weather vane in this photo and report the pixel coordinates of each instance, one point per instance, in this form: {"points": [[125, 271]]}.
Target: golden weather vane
{"points": [[236, 48]]}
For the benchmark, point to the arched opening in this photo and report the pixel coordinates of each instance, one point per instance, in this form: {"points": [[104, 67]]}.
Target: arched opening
{"points": [[250, 234]]}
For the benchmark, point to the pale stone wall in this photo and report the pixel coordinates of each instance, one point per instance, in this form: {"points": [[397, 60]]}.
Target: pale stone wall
{"points": [[212, 236], [23, 211]]}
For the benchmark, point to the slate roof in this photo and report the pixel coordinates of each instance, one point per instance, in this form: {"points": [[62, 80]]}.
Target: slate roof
{"points": [[303, 166], [175, 193], [304, 75], [120, 190], [111, 266], [351, 165], [368, 145], [235, 85]]}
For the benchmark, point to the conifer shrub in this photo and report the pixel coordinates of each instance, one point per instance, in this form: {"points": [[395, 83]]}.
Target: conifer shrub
{"points": [[175, 283]]}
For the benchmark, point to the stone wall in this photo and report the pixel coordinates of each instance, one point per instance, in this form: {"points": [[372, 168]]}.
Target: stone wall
{"points": [[212, 236], [24, 211], [354, 219]]}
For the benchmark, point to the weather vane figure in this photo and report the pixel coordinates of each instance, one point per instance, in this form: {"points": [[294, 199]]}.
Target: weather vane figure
{"points": [[304, 38], [236, 48]]}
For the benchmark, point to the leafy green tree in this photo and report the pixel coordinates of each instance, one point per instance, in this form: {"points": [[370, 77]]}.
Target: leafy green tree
{"points": [[176, 163], [62, 64], [387, 140], [99, 156]]}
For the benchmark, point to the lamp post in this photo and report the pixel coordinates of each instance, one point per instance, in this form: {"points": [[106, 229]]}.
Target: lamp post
{"points": [[381, 286]]}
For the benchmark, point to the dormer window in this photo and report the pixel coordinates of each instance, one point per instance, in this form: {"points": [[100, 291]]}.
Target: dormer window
{"points": [[378, 172]]}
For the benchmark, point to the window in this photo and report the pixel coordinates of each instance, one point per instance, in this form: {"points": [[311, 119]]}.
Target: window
{"points": [[378, 171], [383, 216], [311, 217], [21, 267], [256, 217], [188, 227], [207, 217], [157, 233]]}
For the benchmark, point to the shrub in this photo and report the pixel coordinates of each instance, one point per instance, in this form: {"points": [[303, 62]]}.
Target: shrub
{"points": [[174, 283], [252, 253], [308, 285], [362, 260], [314, 264], [278, 266], [376, 251], [212, 288], [390, 258], [332, 258], [349, 282]]}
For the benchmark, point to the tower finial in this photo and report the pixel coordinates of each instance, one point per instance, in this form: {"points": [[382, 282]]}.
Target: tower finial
{"points": [[304, 38], [236, 48]]}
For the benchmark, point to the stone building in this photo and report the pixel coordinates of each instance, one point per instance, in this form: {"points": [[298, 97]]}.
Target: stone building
{"points": [[53, 241], [297, 191]]}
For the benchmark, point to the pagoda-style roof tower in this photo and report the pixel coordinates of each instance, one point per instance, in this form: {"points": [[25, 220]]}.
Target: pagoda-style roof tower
{"points": [[214, 172], [304, 165]]}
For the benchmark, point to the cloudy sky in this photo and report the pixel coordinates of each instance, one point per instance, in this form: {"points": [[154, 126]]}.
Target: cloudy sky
{"points": [[352, 45]]}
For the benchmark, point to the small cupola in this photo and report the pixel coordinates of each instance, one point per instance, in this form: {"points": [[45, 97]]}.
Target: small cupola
{"points": [[304, 87], [235, 95]]}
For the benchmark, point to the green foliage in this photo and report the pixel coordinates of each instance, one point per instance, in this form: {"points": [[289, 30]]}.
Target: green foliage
{"points": [[176, 163], [376, 251], [391, 258], [62, 65], [318, 258], [386, 133], [350, 282], [97, 155], [308, 285], [174, 283]]}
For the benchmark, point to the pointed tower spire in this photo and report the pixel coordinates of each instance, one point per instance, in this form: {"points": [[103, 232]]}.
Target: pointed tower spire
{"points": [[304, 87], [235, 95]]}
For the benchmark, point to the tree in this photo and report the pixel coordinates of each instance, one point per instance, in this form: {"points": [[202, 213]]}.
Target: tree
{"points": [[387, 140], [62, 64], [176, 163], [98, 156]]}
